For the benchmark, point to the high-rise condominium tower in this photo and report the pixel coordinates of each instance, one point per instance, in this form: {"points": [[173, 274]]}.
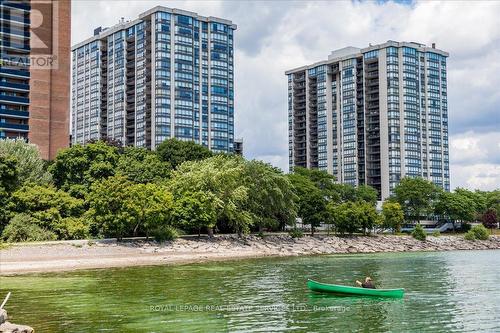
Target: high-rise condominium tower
{"points": [[372, 116], [167, 74], [35, 72]]}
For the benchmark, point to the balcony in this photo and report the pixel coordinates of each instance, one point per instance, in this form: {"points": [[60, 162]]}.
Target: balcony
{"points": [[16, 5], [15, 99], [16, 47], [14, 33], [16, 127], [13, 20], [15, 86], [16, 73], [14, 113]]}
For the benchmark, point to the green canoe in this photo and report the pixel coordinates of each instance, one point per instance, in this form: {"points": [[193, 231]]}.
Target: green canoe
{"points": [[347, 290]]}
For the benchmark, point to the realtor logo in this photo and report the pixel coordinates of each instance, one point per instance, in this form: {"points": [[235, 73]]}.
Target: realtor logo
{"points": [[31, 38], [41, 19]]}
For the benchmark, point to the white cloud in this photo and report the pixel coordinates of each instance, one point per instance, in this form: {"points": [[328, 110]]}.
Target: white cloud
{"points": [[477, 176], [475, 160], [274, 36]]}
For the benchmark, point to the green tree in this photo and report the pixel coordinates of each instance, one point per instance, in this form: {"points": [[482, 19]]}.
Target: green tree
{"points": [[311, 201], [140, 165], [8, 183], [109, 201], [478, 199], [270, 195], [492, 200], [343, 193], [53, 209], [321, 179], [196, 210], [175, 152], [455, 206], [221, 177], [366, 193], [31, 167], [151, 205], [393, 216], [76, 168], [350, 217], [416, 196], [325, 183]]}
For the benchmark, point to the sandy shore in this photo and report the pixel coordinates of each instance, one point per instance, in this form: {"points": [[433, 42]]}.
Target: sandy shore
{"points": [[71, 255]]}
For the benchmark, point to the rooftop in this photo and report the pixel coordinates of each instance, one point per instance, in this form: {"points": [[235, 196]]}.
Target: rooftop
{"points": [[104, 32], [352, 52]]}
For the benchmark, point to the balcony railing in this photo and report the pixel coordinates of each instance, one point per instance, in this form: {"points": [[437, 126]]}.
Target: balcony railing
{"points": [[14, 113], [14, 86], [15, 99], [18, 127]]}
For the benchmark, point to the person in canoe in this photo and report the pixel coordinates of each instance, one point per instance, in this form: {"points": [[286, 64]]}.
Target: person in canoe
{"points": [[367, 284]]}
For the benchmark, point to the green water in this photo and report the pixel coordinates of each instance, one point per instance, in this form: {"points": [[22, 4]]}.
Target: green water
{"points": [[445, 292]]}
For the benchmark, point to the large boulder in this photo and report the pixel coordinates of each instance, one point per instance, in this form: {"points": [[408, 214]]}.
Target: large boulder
{"points": [[6, 327]]}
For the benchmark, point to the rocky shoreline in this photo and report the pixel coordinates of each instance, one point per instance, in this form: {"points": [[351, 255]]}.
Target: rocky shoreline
{"points": [[64, 256]]}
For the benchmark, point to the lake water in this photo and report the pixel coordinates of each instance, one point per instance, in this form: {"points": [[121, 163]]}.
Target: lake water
{"points": [[445, 292]]}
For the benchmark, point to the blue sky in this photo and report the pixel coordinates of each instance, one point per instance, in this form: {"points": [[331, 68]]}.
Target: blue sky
{"points": [[274, 36]]}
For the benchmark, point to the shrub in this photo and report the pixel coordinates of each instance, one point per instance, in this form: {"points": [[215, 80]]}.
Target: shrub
{"points": [[73, 228], [165, 233], [296, 233], [436, 233], [24, 228], [477, 232], [419, 233], [469, 236]]}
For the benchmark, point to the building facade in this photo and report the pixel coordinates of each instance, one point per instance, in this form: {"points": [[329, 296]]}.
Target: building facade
{"points": [[34, 87], [238, 146], [372, 116], [167, 74]]}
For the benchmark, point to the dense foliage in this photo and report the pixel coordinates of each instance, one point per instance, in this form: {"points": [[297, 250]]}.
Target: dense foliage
{"points": [[105, 190], [478, 232], [392, 216], [31, 169], [419, 233], [175, 152], [416, 196], [8, 183]]}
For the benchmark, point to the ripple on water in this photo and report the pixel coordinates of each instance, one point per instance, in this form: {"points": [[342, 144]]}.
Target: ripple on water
{"points": [[445, 291]]}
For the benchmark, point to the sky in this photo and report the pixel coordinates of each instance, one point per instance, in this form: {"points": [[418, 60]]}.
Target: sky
{"points": [[274, 36]]}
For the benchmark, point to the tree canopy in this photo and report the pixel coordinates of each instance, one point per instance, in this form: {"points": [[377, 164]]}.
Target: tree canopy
{"points": [[392, 216], [175, 152], [30, 167], [416, 196], [221, 178], [140, 165], [78, 167], [271, 195], [456, 206], [103, 189], [311, 200]]}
